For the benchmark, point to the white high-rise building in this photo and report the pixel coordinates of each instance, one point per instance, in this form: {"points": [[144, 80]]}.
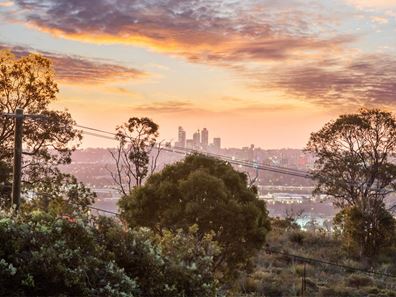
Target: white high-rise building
{"points": [[197, 140], [217, 143], [181, 138], [204, 138]]}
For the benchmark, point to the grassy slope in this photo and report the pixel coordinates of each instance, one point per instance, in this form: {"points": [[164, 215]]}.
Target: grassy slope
{"points": [[276, 275]]}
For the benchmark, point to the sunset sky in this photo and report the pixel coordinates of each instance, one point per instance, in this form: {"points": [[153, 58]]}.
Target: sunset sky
{"points": [[263, 72]]}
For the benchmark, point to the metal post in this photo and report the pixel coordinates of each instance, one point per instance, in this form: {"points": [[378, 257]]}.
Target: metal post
{"points": [[304, 283], [17, 170]]}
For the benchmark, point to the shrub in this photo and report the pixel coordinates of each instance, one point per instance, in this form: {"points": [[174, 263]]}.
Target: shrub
{"points": [[337, 292], [44, 255], [297, 237], [48, 256], [357, 281]]}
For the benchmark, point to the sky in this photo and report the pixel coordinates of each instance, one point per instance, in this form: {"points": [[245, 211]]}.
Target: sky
{"points": [[262, 72]]}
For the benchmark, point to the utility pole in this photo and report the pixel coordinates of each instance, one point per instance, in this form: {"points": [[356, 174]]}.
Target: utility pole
{"points": [[17, 168]]}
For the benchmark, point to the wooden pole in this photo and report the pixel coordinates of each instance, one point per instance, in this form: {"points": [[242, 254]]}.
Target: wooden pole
{"points": [[17, 170]]}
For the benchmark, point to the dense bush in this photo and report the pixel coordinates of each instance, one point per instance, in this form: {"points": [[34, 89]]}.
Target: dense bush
{"points": [[175, 264], [47, 256], [357, 281], [365, 233], [43, 255]]}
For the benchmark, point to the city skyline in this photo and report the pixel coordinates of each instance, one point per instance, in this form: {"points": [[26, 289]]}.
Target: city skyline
{"points": [[268, 71], [199, 140]]}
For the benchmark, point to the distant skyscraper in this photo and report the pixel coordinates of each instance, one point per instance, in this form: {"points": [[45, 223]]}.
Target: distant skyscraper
{"points": [[181, 137], [189, 144], [197, 140], [217, 143], [204, 138]]}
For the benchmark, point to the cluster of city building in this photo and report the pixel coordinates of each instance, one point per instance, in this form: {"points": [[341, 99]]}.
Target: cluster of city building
{"points": [[293, 158], [199, 141]]}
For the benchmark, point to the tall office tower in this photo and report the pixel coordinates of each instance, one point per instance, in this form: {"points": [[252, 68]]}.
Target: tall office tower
{"points": [[197, 140], [204, 138], [217, 143], [181, 138], [189, 144]]}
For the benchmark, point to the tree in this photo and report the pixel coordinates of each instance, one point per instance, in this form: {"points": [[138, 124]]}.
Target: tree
{"points": [[137, 139], [61, 195], [209, 193], [354, 165], [366, 233], [28, 83]]}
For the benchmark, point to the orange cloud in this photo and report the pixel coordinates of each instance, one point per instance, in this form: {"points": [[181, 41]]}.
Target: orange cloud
{"points": [[364, 80], [186, 107], [373, 3], [6, 4], [169, 107], [279, 45], [79, 70], [201, 31]]}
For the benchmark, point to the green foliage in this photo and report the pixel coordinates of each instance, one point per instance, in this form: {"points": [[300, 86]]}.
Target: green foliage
{"points": [[338, 291], [357, 281], [353, 157], [43, 255], [366, 233], [297, 237], [354, 167], [5, 185], [46, 256], [284, 223], [209, 193], [172, 265], [137, 139], [61, 194], [28, 83], [278, 275]]}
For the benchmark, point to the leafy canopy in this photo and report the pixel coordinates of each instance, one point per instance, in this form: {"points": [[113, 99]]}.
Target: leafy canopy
{"points": [[209, 193], [137, 138], [354, 166], [354, 158], [28, 82]]}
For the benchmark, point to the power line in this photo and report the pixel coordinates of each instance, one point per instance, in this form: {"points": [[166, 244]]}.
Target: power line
{"points": [[312, 260], [296, 257], [104, 210], [245, 163], [19, 117], [94, 129], [97, 135]]}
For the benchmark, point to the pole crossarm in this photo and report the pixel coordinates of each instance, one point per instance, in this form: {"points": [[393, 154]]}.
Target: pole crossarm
{"points": [[31, 116]]}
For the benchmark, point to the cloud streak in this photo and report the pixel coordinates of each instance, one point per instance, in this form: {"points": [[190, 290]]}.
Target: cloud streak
{"points": [[201, 31], [373, 3], [168, 107], [79, 70], [249, 37], [367, 80], [187, 107]]}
